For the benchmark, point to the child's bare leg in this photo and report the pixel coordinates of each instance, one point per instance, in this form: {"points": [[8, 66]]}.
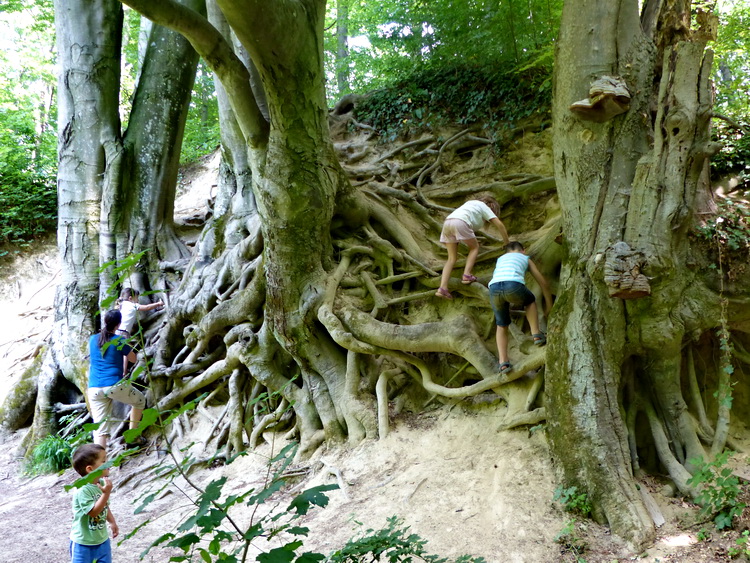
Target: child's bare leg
{"points": [[532, 315], [452, 248], [101, 439], [472, 257], [501, 336], [135, 417]]}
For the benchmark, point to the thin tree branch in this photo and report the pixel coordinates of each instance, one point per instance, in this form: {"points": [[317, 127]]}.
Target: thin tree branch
{"points": [[731, 122]]}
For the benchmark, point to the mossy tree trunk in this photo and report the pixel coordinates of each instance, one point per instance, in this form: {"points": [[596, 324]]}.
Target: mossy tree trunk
{"points": [[296, 179], [143, 203], [632, 178]]}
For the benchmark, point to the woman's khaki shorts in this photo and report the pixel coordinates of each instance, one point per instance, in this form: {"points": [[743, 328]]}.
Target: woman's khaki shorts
{"points": [[100, 399]]}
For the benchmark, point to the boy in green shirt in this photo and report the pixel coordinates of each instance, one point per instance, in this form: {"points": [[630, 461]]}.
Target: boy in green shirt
{"points": [[89, 540]]}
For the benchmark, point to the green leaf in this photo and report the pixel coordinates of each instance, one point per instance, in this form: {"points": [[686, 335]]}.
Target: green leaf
{"points": [[148, 419], [184, 408], [184, 542], [161, 539], [722, 521], [283, 554], [310, 557], [301, 503], [264, 495], [256, 530], [298, 530]]}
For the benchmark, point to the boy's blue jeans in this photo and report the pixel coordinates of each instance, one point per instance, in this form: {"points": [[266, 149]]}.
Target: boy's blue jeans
{"points": [[505, 293], [101, 553]]}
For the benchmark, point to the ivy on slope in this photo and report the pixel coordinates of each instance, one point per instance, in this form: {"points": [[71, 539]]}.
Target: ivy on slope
{"points": [[466, 94]]}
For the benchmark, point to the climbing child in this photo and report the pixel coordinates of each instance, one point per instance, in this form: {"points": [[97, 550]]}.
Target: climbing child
{"points": [[459, 226], [129, 308], [507, 287], [89, 539]]}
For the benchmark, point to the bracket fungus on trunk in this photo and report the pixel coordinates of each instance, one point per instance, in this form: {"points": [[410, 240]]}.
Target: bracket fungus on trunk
{"points": [[623, 272], [608, 96]]}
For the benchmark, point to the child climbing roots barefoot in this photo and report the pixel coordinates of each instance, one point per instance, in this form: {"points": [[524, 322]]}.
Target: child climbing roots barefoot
{"points": [[459, 226]]}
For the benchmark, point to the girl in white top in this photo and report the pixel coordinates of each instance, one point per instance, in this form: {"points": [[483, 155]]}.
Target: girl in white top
{"points": [[459, 226], [129, 308]]}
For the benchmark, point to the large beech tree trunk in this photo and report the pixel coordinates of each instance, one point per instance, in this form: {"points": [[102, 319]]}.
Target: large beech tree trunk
{"points": [[633, 178], [88, 42], [101, 218]]}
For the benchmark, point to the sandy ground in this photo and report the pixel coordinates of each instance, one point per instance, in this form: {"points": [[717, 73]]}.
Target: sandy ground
{"points": [[455, 480]]}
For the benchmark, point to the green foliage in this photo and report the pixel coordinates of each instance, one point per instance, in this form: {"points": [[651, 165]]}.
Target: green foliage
{"points": [[210, 533], [732, 59], [202, 134], [121, 270], [50, 455], [53, 453], [572, 501], [460, 93], [741, 546], [28, 205], [393, 544], [388, 40], [734, 156], [703, 535], [719, 490], [729, 230], [570, 540]]}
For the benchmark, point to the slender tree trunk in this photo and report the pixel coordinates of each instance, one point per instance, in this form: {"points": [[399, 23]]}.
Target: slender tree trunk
{"points": [[142, 206], [342, 47]]}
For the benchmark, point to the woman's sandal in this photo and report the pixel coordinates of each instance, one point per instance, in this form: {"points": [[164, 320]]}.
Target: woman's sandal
{"points": [[505, 367], [468, 278], [443, 293], [539, 339]]}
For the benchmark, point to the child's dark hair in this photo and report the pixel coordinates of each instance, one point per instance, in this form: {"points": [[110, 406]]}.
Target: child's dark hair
{"points": [[514, 246], [112, 318], [84, 456], [490, 202], [127, 293]]}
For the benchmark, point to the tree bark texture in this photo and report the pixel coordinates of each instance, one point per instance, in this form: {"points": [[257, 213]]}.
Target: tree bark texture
{"points": [[631, 179], [88, 43], [306, 294], [144, 202]]}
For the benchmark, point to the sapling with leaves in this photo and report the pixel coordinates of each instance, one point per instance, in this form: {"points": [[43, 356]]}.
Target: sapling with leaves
{"points": [[212, 532], [719, 490]]}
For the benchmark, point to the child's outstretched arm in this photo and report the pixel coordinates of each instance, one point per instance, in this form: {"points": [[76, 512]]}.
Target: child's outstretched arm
{"points": [[501, 227], [158, 304], [542, 281]]}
